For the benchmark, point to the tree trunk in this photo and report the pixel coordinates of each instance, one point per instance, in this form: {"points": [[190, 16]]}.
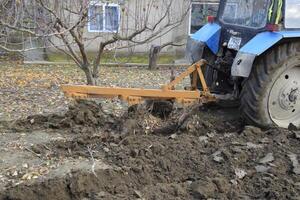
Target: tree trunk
{"points": [[91, 80], [153, 56], [95, 73], [45, 54]]}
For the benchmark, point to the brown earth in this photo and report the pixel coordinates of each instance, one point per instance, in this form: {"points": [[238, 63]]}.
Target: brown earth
{"points": [[195, 153]]}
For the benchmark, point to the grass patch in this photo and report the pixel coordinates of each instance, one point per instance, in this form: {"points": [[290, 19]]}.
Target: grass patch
{"points": [[121, 58]]}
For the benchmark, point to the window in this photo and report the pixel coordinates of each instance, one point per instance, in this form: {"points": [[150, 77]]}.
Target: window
{"points": [[103, 17], [199, 13], [292, 14], [251, 13]]}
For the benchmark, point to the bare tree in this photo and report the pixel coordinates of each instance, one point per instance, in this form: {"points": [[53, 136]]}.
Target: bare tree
{"points": [[67, 25]]}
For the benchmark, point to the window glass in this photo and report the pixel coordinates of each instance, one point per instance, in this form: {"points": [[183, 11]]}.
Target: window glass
{"points": [[111, 18], [96, 18], [103, 18], [250, 13], [199, 13], [292, 14]]}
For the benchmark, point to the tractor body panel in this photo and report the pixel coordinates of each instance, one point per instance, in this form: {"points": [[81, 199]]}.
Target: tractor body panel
{"points": [[261, 42], [245, 57], [194, 50], [210, 34]]}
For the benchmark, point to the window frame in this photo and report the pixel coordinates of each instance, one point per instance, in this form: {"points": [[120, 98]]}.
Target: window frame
{"points": [[104, 5], [191, 7], [284, 15]]}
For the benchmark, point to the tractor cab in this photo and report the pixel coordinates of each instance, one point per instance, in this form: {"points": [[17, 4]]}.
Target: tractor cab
{"points": [[241, 20]]}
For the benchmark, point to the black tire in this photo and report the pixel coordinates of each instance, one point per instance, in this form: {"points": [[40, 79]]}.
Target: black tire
{"points": [[265, 72]]}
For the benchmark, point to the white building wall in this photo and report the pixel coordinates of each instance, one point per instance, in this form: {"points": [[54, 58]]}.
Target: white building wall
{"points": [[133, 12]]}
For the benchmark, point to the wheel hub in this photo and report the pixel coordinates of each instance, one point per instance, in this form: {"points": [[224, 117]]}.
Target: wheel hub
{"points": [[294, 95], [288, 100], [284, 103]]}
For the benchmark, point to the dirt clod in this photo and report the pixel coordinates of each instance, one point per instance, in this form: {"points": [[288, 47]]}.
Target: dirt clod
{"points": [[80, 114], [203, 189], [268, 158]]}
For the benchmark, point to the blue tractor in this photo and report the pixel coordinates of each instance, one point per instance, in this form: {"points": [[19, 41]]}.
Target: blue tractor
{"points": [[253, 52]]}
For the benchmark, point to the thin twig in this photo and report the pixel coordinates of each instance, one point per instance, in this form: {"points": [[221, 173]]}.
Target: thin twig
{"points": [[38, 155], [93, 160]]}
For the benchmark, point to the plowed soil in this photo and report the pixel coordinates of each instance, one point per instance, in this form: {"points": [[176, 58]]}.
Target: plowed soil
{"points": [[193, 153]]}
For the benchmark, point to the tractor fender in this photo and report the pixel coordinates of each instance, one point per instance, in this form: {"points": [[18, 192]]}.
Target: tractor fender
{"points": [[243, 62], [194, 50], [209, 35]]}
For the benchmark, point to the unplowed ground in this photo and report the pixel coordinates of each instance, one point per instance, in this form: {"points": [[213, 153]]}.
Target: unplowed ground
{"points": [[85, 151]]}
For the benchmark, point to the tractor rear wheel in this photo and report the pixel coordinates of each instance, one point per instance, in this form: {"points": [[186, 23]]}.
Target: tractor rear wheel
{"points": [[271, 95]]}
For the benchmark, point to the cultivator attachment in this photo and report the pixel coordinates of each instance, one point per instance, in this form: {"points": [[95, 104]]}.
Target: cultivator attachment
{"points": [[136, 95]]}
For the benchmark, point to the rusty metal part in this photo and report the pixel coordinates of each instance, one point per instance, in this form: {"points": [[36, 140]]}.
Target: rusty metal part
{"points": [[136, 96]]}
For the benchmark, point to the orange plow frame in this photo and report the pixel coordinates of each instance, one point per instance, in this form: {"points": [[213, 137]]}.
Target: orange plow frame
{"points": [[136, 96]]}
